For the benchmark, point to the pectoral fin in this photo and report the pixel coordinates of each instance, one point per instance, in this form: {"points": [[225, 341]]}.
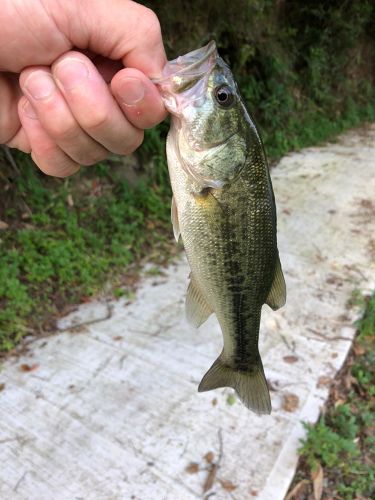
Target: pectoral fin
{"points": [[174, 218], [277, 295], [196, 307]]}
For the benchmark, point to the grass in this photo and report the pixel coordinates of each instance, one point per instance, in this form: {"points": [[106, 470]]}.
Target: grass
{"points": [[66, 239], [342, 443]]}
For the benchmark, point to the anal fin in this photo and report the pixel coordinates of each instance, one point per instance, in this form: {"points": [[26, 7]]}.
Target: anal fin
{"points": [[277, 295], [196, 307]]}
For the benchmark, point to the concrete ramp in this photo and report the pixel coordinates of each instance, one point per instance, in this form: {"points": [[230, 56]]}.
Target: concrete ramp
{"points": [[111, 410]]}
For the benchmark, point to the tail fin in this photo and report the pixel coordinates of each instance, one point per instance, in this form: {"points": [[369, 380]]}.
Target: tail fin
{"points": [[251, 386]]}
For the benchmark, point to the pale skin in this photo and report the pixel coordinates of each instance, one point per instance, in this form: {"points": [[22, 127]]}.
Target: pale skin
{"points": [[75, 79]]}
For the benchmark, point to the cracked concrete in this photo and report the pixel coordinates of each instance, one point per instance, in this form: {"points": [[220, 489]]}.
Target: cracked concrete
{"points": [[113, 412]]}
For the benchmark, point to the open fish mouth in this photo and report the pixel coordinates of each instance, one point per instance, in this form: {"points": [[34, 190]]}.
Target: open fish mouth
{"points": [[189, 67], [184, 79]]}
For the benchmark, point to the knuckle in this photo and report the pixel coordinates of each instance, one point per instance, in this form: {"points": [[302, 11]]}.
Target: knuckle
{"points": [[92, 158], [46, 151], [63, 130], [98, 119], [9, 119], [9, 125], [133, 143], [60, 167], [151, 24]]}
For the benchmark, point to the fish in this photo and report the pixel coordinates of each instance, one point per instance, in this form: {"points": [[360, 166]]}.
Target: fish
{"points": [[223, 209]]}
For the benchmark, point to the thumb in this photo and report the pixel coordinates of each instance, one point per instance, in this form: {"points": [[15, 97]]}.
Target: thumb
{"points": [[117, 29]]}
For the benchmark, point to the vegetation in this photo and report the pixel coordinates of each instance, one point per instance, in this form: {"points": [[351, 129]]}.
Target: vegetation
{"points": [[342, 443], [306, 71], [66, 239]]}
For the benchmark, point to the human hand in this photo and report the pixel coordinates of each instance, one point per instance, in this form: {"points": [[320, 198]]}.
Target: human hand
{"points": [[56, 62]]}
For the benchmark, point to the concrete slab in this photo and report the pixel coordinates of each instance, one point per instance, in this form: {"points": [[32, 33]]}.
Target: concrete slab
{"points": [[112, 411]]}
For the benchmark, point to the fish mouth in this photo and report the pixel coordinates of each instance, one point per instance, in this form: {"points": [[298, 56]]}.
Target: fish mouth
{"points": [[189, 67]]}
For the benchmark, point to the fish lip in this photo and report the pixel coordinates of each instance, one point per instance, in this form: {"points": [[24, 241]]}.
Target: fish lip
{"points": [[191, 69]]}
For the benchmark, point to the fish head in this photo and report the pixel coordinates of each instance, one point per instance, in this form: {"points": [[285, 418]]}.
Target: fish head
{"points": [[210, 123]]}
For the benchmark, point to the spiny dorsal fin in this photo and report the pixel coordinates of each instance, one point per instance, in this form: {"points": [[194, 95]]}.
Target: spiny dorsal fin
{"points": [[196, 307], [277, 295], [174, 218]]}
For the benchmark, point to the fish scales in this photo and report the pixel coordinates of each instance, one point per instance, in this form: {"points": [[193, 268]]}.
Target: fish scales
{"points": [[224, 211]]}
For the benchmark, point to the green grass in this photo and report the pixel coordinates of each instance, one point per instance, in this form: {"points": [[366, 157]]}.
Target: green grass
{"points": [[342, 441], [66, 239]]}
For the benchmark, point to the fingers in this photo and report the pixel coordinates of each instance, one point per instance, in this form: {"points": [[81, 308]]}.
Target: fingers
{"points": [[56, 118], [126, 31], [9, 95], [44, 151], [77, 112], [138, 98], [20, 141], [93, 105]]}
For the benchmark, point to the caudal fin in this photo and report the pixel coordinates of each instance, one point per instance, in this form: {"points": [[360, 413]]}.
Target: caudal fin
{"points": [[251, 386]]}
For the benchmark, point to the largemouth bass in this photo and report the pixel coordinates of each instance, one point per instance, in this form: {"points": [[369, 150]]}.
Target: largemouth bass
{"points": [[223, 208]]}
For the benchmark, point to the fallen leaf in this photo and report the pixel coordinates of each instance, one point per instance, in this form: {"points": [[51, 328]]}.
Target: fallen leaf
{"points": [[322, 381], [348, 380], [69, 200], [290, 402], [118, 337], [214, 402], [209, 457], [211, 476], [2, 387], [28, 368], [334, 355], [358, 350], [339, 402], [192, 468], [300, 488], [290, 359], [3, 225], [317, 478], [227, 485], [253, 493]]}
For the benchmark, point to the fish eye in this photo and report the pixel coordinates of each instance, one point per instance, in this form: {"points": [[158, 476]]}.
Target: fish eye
{"points": [[224, 96]]}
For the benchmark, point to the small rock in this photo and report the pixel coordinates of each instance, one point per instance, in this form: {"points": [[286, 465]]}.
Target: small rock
{"points": [[290, 402]]}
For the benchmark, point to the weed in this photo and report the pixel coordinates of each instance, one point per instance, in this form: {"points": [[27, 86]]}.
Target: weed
{"points": [[342, 441], [78, 234]]}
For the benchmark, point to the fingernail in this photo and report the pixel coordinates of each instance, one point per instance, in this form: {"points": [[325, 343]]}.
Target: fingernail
{"points": [[40, 85], [29, 110], [132, 91], [71, 73]]}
